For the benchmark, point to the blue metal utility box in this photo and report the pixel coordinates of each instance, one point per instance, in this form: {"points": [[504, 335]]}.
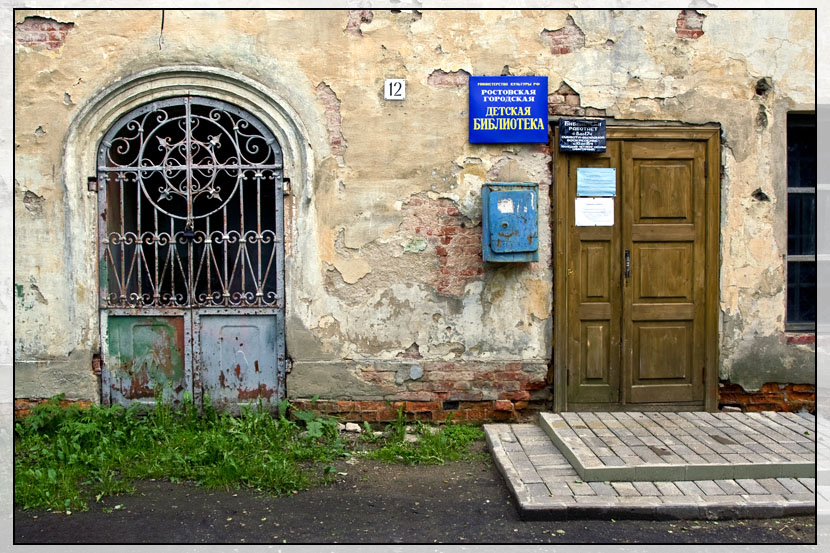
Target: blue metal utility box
{"points": [[509, 216]]}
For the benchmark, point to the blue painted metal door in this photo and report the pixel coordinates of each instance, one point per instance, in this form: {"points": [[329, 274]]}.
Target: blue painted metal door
{"points": [[239, 359]]}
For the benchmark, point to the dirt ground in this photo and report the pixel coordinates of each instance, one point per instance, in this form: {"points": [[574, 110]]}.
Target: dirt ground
{"points": [[463, 502]]}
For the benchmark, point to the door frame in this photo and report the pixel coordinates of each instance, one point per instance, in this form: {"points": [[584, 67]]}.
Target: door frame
{"points": [[710, 135]]}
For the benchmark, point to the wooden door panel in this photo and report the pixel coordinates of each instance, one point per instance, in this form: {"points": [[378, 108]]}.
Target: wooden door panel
{"points": [[663, 227], [593, 276], [662, 272]]}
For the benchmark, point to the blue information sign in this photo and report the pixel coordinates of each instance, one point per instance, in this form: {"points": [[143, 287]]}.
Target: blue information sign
{"points": [[508, 109]]}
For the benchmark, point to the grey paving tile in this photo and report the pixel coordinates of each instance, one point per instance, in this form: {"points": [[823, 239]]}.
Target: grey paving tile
{"points": [[602, 488], [809, 483], [688, 487], [538, 491], [626, 489], [668, 489], [793, 485], [646, 488], [552, 458], [773, 486], [730, 487], [709, 487], [581, 488], [559, 488], [752, 486], [612, 461], [556, 473]]}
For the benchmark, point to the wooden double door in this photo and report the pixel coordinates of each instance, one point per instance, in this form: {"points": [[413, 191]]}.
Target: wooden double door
{"points": [[636, 298]]}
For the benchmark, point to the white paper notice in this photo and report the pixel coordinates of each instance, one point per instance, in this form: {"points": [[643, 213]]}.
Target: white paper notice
{"points": [[594, 212]]}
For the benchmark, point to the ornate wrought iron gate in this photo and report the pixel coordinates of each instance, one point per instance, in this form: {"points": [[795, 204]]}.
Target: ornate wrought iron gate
{"points": [[191, 255]]}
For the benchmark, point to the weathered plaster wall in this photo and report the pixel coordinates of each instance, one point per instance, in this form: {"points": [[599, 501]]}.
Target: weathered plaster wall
{"points": [[383, 269]]}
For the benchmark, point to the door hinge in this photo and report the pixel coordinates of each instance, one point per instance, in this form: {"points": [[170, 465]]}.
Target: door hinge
{"points": [[289, 364], [92, 184], [705, 170]]}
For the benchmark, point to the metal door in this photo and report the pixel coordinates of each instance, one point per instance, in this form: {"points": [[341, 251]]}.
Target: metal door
{"points": [[191, 256]]}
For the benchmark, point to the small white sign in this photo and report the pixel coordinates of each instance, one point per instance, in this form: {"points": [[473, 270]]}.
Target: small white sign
{"points": [[594, 212], [394, 89], [505, 205]]}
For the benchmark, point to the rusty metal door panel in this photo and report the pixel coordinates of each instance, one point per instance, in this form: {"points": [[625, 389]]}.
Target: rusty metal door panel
{"points": [[145, 355], [190, 226], [241, 359]]}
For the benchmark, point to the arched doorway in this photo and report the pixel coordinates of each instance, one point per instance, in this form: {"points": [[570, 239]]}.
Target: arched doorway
{"points": [[191, 257]]}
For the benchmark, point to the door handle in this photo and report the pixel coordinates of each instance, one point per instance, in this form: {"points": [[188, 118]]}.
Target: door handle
{"points": [[627, 264]]}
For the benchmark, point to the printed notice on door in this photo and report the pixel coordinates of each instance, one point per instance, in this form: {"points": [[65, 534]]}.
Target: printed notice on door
{"points": [[594, 212]]}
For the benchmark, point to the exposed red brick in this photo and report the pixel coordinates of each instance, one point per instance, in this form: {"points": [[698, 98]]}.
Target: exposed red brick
{"points": [[454, 79], [503, 405], [333, 121], [41, 32], [770, 387], [801, 339], [534, 385], [356, 19], [565, 40], [689, 24], [772, 397], [566, 101], [23, 407], [456, 242], [518, 396]]}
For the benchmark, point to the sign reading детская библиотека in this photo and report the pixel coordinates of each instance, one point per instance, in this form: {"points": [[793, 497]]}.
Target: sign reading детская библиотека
{"points": [[508, 109]]}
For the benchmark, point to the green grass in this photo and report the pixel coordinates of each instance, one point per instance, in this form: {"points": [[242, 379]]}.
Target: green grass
{"points": [[450, 442], [66, 457]]}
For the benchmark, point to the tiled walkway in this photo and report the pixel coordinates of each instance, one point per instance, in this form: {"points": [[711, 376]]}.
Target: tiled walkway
{"points": [[547, 486], [684, 446]]}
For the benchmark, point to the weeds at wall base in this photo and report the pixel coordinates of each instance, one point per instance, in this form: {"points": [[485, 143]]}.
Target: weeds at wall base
{"points": [[69, 456]]}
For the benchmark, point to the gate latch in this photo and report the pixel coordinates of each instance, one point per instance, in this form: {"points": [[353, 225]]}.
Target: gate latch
{"points": [[188, 233]]}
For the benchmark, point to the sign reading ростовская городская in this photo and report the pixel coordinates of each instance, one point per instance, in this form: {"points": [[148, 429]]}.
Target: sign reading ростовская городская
{"points": [[508, 109]]}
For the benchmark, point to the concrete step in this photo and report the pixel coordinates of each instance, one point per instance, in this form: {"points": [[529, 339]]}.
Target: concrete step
{"points": [[545, 486], [659, 446]]}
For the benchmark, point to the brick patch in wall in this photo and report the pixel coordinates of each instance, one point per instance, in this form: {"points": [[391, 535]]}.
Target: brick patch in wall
{"points": [[453, 237], [471, 391], [565, 40], [771, 397], [566, 101], [23, 407], [356, 19], [453, 79], [386, 411], [689, 24], [334, 121], [41, 32], [801, 339]]}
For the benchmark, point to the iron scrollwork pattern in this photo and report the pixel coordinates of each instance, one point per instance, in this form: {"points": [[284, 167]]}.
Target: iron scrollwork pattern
{"points": [[193, 208]]}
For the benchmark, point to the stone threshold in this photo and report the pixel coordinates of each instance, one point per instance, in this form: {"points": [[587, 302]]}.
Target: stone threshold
{"points": [[546, 487]]}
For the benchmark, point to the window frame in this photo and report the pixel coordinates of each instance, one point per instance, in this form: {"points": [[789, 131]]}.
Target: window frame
{"points": [[797, 326]]}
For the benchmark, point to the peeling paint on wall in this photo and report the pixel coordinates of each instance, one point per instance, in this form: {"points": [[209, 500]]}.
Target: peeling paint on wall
{"points": [[385, 235]]}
